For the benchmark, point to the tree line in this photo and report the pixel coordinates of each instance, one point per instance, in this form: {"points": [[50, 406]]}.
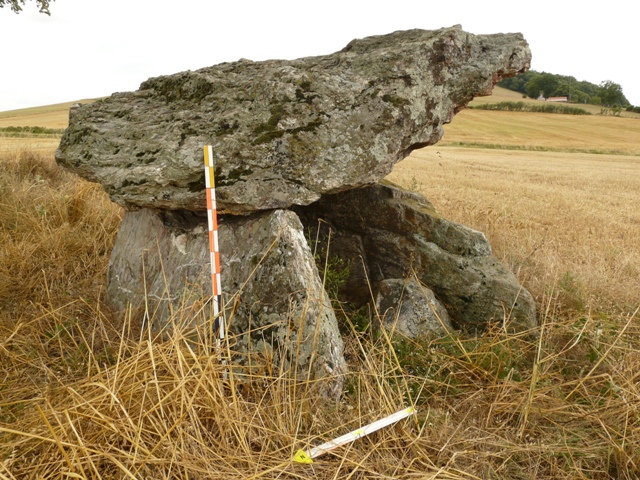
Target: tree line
{"points": [[535, 84]]}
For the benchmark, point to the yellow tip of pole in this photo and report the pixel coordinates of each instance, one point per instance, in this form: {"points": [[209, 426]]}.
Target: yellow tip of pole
{"points": [[302, 457]]}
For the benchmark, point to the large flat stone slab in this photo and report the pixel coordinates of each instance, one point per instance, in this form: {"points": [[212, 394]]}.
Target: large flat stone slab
{"points": [[285, 132]]}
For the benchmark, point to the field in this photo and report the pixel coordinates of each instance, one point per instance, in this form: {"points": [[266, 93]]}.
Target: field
{"points": [[50, 116], [85, 394]]}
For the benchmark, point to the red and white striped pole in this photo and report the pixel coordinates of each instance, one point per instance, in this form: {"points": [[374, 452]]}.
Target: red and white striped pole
{"points": [[214, 247]]}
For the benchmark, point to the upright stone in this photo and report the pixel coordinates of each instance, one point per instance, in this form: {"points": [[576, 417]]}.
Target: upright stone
{"points": [[277, 307]]}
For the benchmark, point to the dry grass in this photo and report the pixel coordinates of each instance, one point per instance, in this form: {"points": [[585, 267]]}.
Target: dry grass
{"points": [[495, 407], [54, 230], [55, 237], [87, 395]]}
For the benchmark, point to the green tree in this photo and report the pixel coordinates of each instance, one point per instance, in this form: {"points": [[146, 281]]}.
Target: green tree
{"points": [[545, 83], [533, 83], [517, 84], [611, 94], [16, 5]]}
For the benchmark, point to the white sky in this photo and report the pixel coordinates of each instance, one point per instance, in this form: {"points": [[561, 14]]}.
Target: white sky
{"points": [[91, 48]]}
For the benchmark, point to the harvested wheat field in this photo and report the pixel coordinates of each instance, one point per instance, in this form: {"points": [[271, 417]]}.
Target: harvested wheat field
{"points": [[86, 394], [10, 145]]}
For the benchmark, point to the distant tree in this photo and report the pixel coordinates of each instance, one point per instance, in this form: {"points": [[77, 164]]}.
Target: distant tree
{"points": [[518, 83], [611, 94], [16, 5], [588, 87], [577, 96], [564, 88], [545, 84]]}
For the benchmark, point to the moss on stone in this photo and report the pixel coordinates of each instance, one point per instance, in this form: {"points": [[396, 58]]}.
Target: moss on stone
{"points": [[127, 183], [268, 131], [305, 85], [236, 175], [309, 127], [303, 96], [277, 112], [226, 127], [395, 100], [268, 136]]}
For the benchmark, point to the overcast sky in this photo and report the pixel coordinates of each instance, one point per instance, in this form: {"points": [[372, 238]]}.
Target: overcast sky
{"points": [[91, 48]]}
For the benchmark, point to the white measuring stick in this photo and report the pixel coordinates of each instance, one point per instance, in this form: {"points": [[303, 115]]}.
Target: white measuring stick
{"points": [[214, 247], [303, 457]]}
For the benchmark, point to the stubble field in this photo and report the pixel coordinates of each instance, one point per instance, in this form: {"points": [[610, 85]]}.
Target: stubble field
{"points": [[84, 394]]}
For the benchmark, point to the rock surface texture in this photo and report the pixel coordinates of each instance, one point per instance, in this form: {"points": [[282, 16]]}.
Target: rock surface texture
{"points": [[296, 143], [410, 308], [285, 132]]}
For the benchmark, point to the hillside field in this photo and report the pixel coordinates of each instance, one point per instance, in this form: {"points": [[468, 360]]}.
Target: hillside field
{"points": [[50, 116], [543, 131], [85, 394]]}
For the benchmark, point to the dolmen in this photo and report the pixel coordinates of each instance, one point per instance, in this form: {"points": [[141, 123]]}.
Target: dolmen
{"points": [[301, 150]]}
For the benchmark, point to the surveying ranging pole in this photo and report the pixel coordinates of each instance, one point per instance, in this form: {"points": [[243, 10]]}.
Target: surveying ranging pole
{"points": [[307, 457], [214, 247]]}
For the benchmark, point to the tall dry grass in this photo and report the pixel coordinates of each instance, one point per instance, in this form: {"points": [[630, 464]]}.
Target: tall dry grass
{"points": [[55, 237], [56, 231], [87, 395]]}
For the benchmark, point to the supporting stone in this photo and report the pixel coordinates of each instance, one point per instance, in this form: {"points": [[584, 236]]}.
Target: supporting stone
{"points": [[403, 235], [411, 309], [275, 300]]}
